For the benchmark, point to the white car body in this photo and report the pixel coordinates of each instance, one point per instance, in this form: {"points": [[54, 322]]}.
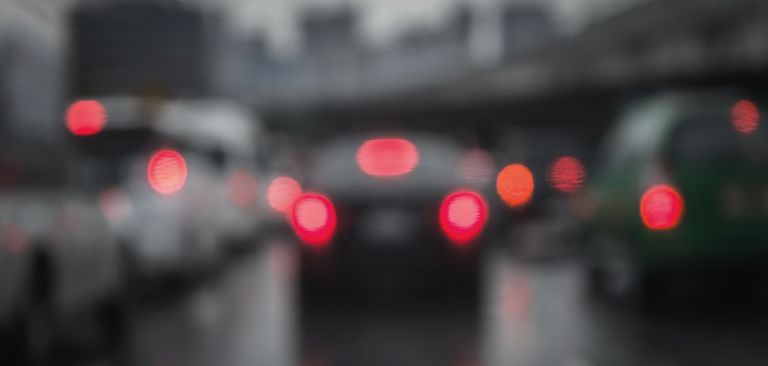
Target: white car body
{"points": [[65, 228]]}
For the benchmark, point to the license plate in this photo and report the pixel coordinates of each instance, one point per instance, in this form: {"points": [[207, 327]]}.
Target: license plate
{"points": [[388, 227]]}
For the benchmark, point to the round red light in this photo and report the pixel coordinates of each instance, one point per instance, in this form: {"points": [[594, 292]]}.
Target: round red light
{"points": [[387, 157], [86, 117], [282, 192], [313, 219], [463, 215], [566, 174], [167, 172], [514, 185], [745, 116], [661, 207]]}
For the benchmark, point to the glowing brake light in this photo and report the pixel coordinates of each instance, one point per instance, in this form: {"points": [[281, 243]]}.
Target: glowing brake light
{"points": [[387, 157], [463, 215], [313, 219], [282, 192], [661, 207], [745, 116], [86, 117], [566, 174], [167, 172]]}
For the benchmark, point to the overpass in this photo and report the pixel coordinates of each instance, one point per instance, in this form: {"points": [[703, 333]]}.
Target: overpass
{"points": [[576, 79]]}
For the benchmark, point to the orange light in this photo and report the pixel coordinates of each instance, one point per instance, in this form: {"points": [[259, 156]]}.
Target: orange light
{"points": [[566, 174], [282, 192], [242, 188], [477, 167], [313, 219], [661, 207], [167, 172], [745, 116], [86, 117], [514, 185], [463, 215], [387, 157]]}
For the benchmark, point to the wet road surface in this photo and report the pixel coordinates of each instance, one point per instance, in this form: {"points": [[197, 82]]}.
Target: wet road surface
{"points": [[531, 313]]}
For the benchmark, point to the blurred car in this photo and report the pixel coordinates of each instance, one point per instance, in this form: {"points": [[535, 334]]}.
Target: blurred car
{"points": [[681, 192], [163, 187], [59, 263], [233, 136], [543, 225], [389, 213]]}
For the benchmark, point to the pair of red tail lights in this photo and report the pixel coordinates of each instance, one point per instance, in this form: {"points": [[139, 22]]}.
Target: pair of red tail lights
{"points": [[462, 213], [462, 217]]}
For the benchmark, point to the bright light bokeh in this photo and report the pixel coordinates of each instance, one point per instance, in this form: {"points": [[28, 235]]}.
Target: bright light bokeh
{"points": [[387, 157], [515, 185], [463, 215], [566, 174], [167, 172], [661, 207], [745, 116], [313, 219], [86, 117], [282, 192]]}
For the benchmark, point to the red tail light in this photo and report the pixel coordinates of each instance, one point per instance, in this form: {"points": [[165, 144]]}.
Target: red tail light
{"points": [[661, 207], [167, 172], [282, 193], [313, 218], [389, 157], [86, 117], [462, 216], [566, 174]]}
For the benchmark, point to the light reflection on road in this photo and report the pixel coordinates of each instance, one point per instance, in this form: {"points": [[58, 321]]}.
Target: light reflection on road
{"points": [[533, 313]]}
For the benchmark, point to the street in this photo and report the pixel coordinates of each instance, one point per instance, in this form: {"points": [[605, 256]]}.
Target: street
{"points": [[532, 313]]}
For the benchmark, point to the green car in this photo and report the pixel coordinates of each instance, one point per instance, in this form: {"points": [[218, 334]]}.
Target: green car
{"points": [[681, 189]]}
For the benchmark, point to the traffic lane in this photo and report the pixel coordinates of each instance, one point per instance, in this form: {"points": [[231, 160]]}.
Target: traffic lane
{"points": [[244, 317], [538, 313], [531, 313]]}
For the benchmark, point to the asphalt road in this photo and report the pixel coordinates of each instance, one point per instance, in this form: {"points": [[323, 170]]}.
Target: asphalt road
{"points": [[530, 313]]}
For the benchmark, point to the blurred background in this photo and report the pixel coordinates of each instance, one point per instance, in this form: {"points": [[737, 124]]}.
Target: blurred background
{"points": [[379, 182]]}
